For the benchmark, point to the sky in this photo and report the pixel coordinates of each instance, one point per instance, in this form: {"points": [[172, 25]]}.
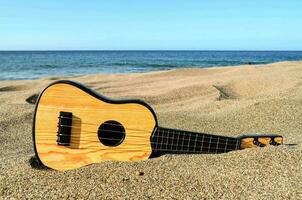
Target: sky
{"points": [[151, 25]]}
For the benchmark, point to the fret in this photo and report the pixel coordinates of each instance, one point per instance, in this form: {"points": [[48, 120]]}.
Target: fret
{"points": [[217, 145], [189, 142], [166, 138], [226, 144], [174, 140], [157, 140], [202, 142], [169, 140], [195, 141], [213, 144], [209, 147], [237, 145], [182, 142], [206, 143], [177, 140], [162, 140]]}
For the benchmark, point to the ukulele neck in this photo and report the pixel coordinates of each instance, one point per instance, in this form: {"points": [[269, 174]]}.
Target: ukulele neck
{"points": [[173, 141]]}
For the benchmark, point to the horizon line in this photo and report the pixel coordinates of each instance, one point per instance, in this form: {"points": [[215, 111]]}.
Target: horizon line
{"points": [[137, 50]]}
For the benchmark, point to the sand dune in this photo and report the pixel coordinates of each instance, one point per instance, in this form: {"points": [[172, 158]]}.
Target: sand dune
{"points": [[227, 101]]}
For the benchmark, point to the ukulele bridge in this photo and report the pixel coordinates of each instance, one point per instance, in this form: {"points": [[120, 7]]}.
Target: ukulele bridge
{"points": [[64, 128]]}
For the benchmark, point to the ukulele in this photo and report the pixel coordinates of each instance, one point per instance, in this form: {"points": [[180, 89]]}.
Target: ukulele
{"points": [[74, 126]]}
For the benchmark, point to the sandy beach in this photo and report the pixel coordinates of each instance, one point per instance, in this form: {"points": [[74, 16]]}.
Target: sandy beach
{"points": [[226, 101]]}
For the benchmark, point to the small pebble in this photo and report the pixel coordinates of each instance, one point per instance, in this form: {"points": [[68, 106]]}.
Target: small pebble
{"points": [[140, 173]]}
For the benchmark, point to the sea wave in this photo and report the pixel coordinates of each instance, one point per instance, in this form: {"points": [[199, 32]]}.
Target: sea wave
{"points": [[35, 64]]}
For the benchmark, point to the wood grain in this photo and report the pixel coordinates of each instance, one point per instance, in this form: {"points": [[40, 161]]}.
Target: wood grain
{"points": [[88, 113], [247, 143]]}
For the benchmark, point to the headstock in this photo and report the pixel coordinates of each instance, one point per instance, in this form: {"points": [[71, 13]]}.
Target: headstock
{"points": [[259, 140]]}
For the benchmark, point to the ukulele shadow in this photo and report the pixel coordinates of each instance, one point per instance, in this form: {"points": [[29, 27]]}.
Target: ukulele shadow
{"points": [[36, 164]]}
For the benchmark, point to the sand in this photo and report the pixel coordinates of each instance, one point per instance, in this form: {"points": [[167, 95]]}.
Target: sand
{"points": [[227, 101]]}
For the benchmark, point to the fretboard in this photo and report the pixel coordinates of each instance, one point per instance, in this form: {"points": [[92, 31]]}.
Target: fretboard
{"points": [[165, 140]]}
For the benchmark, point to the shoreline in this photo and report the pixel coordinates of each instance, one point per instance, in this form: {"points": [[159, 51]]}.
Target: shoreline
{"points": [[159, 71]]}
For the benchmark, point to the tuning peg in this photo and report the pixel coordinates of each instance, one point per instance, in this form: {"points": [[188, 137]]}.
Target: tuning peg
{"points": [[272, 142], [256, 142]]}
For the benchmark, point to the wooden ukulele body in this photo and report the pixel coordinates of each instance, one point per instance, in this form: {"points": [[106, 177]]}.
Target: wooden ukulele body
{"points": [[74, 126], [89, 111]]}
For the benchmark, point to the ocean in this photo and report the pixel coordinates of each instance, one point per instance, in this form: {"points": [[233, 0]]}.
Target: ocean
{"points": [[35, 64]]}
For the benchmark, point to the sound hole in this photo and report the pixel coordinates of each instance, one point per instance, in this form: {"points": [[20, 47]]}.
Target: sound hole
{"points": [[111, 133]]}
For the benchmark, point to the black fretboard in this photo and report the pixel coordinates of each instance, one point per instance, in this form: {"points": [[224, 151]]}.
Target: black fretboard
{"points": [[165, 140]]}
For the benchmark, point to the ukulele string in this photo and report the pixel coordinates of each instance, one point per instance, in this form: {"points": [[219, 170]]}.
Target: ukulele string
{"points": [[91, 109], [177, 151], [74, 138], [91, 134], [202, 142], [182, 148], [154, 136], [91, 124], [137, 130]]}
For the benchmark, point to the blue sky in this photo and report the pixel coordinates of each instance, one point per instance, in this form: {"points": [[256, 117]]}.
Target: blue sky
{"points": [[151, 25]]}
